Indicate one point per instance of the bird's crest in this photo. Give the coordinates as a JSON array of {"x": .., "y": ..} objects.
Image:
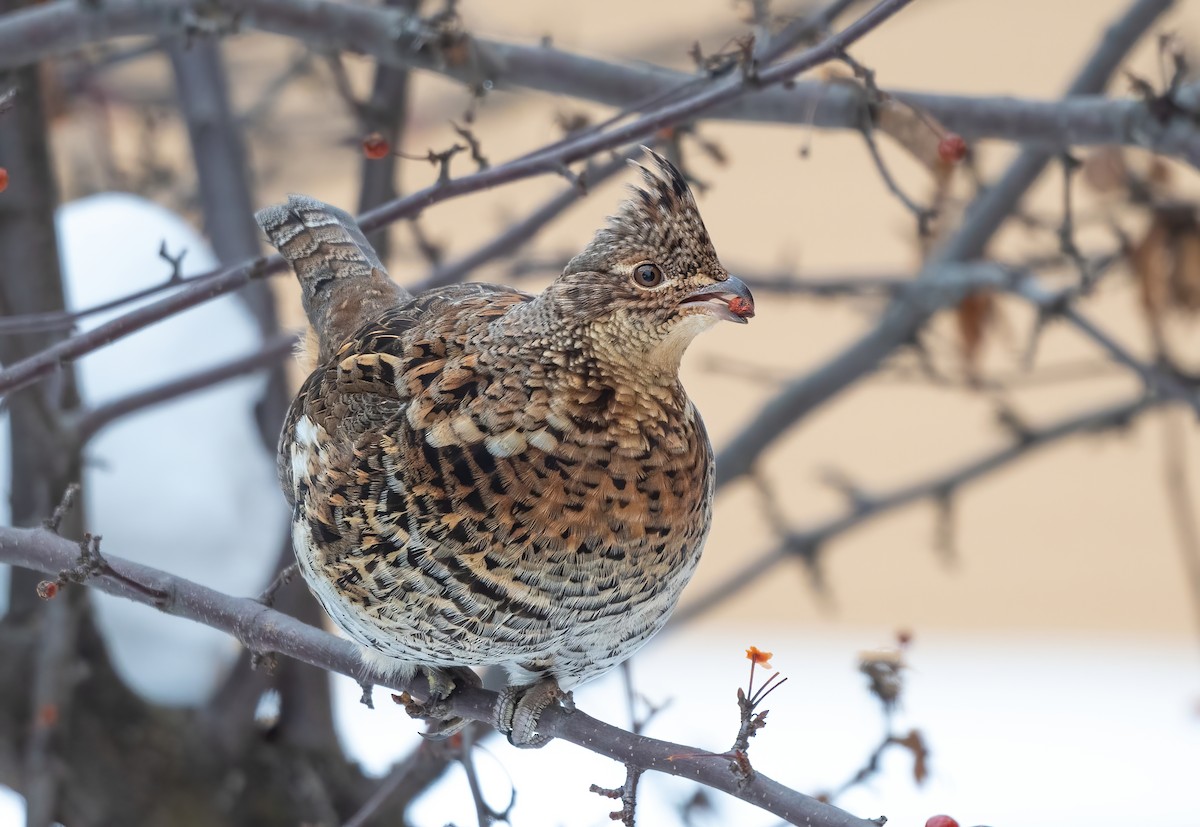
[{"x": 659, "y": 220}]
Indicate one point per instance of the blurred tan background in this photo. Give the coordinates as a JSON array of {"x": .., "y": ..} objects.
[{"x": 1076, "y": 538}]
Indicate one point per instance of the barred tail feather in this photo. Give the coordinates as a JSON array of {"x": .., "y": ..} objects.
[{"x": 343, "y": 283}]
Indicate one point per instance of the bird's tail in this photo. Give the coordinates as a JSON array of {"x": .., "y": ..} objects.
[{"x": 343, "y": 283}]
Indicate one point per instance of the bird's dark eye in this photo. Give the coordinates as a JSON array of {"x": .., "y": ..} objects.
[{"x": 647, "y": 275}]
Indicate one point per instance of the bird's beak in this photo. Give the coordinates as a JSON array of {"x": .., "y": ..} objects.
[{"x": 729, "y": 299}]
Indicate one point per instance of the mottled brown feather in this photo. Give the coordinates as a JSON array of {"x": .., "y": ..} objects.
[{"x": 480, "y": 476}]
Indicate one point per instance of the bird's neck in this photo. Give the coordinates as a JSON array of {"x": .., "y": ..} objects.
[{"x": 595, "y": 373}]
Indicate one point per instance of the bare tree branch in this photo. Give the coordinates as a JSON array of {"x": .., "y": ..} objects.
[
  {"x": 400, "y": 39},
  {"x": 902, "y": 319},
  {"x": 262, "y": 629},
  {"x": 536, "y": 163}
]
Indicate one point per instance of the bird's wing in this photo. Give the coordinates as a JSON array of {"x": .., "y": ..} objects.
[{"x": 414, "y": 357}]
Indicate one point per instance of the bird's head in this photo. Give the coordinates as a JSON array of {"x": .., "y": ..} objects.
[{"x": 650, "y": 281}]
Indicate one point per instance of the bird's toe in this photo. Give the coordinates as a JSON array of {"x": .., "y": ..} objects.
[{"x": 519, "y": 709}]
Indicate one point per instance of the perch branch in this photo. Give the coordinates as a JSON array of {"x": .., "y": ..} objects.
[{"x": 262, "y": 629}]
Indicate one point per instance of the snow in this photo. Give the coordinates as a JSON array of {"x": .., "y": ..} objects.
[
  {"x": 12, "y": 808},
  {"x": 188, "y": 486},
  {"x": 1065, "y": 731}
]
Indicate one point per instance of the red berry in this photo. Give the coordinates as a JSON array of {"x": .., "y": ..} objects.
[
  {"x": 47, "y": 715},
  {"x": 47, "y": 590},
  {"x": 375, "y": 146},
  {"x": 952, "y": 148},
  {"x": 3, "y": 179},
  {"x": 743, "y": 309},
  {"x": 941, "y": 821}
]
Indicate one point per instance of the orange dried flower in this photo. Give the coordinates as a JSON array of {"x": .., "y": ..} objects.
[{"x": 759, "y": 657}]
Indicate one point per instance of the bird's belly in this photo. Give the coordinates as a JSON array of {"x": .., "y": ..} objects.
[{"x": 567, "y": 568}]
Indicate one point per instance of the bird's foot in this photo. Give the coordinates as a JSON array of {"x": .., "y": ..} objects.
[
  {"x": 519, "y": 708},
  {"x": 443, "y": 681}
]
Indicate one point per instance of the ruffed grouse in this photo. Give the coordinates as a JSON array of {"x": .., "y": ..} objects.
[{"x": 481, "y": 476}]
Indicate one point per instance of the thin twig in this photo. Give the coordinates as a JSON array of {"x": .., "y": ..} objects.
[
  {"x": 626, "y": 794},
  {"x": 923, "y": 215}
]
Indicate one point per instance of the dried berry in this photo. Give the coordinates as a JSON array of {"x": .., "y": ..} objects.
[
  {"x": 952, "y": 148},
  {"x": 742, "y": 309},
  {"x": 375, "y": 146},
  {"x": 941, "y": 821}
]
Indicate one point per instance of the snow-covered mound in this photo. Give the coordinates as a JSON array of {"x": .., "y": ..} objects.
[{"x": 187, "y": 486}]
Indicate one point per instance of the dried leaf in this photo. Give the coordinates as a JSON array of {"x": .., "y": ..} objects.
[
  {"x": 1151, "y": 260},
  {"x": 1105, "y": 171},
  {"x": 1159, "y": 173},
  {"x": 974, "y": 314},
  {"x": 915, "y": 744},
  {"x": 1185, "y": 274}
]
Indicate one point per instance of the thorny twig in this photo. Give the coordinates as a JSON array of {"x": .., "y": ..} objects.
[
  {"x": 176, "y": 262},
  {"x": 914, "y": 742},
  {"x": 1066, "y": 232},
  {"x": 64, "y": 507},
  {"x": 874, "y": 96},
  {"x": 481, "y": 163},
  {"x": 751, "y": 721},
  {"x": 626, "y": 793},
  {"x": 91, "y": 563},
  {"x": 884, "y": 669},
  {"x": 440, "y": 159},
  {"x": 285, "y": 576}
]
